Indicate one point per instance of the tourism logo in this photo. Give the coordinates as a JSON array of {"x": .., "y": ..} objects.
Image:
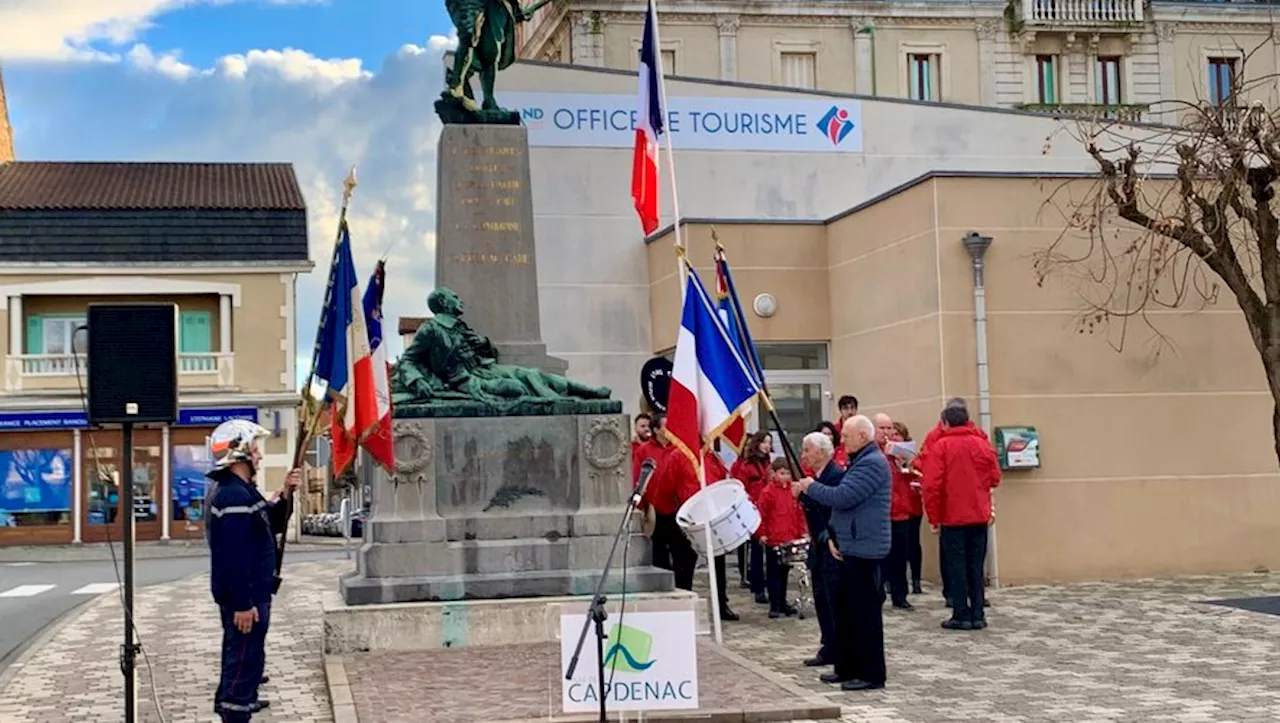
[
  {"x": 627, "y": 650},
  {"x": 836, "y": 124}
]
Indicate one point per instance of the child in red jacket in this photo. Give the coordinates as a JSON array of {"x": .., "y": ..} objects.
[{"x": 781, "y": 521}]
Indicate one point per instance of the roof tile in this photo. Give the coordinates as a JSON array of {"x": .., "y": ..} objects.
[{"x": 41, "y": 185}]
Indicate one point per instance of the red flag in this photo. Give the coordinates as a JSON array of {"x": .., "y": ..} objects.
[{"x": 650, "y": 126}]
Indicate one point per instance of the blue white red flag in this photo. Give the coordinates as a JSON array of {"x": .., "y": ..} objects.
[
  {"x": 379, "y": 442},
  {"x": 651, "y": 121},
  {"x": 736, "y": 433},
  {"x": 711, "y": 387},
  {"x": 343, "y": 360}
]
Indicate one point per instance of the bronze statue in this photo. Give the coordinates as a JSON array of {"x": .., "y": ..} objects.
[
  {"x": 486, "y": 45},
  {"x": 448, "y": 361}
]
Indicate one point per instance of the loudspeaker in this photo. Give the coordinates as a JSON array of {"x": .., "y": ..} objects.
[{"x": 133, "y": 363}]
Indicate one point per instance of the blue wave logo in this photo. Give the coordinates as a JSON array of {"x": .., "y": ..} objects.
[{"x": 628, "y": 650}]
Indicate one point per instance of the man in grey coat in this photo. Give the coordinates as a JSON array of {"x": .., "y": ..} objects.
[{"x": 860, "y": 524}]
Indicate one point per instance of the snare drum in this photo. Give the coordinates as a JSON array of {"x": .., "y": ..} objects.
[
  {"x": 795, "y": 552},
  {"x": 727, "y": 510}
]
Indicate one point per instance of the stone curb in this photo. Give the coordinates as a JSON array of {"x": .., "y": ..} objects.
[
  {"x": 98, "y": 552},
  {"x": 43, "y": 637},
  {"x": 340, "y": 700},
  {"x": 820, "y": 708}
]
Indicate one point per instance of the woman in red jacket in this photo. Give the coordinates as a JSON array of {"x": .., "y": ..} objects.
[
  {"x": 915, "y": 553},
  {"x": 905, "y": 505},
  {"x": 752, "y": 470},
  {"x": 781, "y": 521}
]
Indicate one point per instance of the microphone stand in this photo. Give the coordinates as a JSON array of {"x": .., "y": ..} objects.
[{"x": 596, "y": 613}]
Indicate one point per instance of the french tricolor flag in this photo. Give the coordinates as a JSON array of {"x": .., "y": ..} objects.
[
  {"x": 379, "y": 443},
  {"x": 343, "y": 358},
  {"x": 710, "y": 386},
  {"x": 650, "y": 126}
]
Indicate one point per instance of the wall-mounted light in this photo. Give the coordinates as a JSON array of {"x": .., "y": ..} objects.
[{"x": 765, "y": 305}]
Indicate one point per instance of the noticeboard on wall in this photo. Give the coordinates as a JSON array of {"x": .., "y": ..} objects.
[{"x": 1018, "y": 447}]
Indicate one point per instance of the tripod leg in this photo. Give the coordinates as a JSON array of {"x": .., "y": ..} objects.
[{"x": 604, "y": 715}]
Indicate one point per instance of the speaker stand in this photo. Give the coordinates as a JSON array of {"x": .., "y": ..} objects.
[{"x": 128, "y": 651}]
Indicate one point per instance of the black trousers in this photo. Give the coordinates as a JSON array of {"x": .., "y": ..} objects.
[
  {"x": 673, "y": 551},
  {"x": 895, "y": 565},
  {"x": 966, "y": 549},
  {"x": 824, "y": 574},
  {"x": 243, "y": 657},
  {"x": 756, "y": 571},
  {"x": 743, "y": 552},
  {"x": 915, "y": 552},
  {"x": 721, "y": 582},
  {"x": 860, "y": 622},
  {"x": 776, "y": 574},
  {"x": 944, "y": 570}
]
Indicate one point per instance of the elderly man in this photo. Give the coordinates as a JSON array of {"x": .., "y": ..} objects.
[
  {"x": 818, "y": 453},
  {"x": 860, "y": 525}
]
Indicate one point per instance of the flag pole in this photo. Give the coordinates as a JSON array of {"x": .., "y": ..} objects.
[
  {"x": 310, "y": 421},
  {"x": 671, "y": 158},
  {"x": 711, "y": 557}
]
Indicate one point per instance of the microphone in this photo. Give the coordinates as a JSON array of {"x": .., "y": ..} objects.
[{"x": 646, "y": 471}]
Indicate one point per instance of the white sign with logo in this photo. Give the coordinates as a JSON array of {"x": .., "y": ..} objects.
[
  {"x": 651, "y": 663},
  {"x": 794, "y": 125}
]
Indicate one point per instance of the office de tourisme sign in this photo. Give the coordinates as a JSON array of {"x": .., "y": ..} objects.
[
  {"x": 795, "y": 125},
  {"x": 650, "y": 657}
]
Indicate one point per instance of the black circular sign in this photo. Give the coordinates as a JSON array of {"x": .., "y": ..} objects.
[{"x": 655, "y": 382}]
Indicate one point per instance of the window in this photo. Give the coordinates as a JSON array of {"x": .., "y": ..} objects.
[
  {"x": 668, "y": 62},
  {"x": 922, "y": 76},
  {"x": 1222, "y": 81},
  {"x": 195, "y": 334},
  {"x": 800, "y": 70},
  {"x": 1107, "y": 83},
  {"x": 1047, "y": 79},
  {"x": 55, "y": 334}
]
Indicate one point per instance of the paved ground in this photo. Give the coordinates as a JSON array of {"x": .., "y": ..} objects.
[
  {"x": 33, "y": 595},
  {"x": 100, "y": 551},
  {"x": 75, "y": 678},
  {"x": 1145, "y": 651}
]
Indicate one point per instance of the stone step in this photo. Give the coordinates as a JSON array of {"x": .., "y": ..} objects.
[
  {"x": 477, "y": 556},
  {"x": 362, "y": 590}
]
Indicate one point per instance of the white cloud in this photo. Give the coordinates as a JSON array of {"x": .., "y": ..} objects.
[
  {"x": 265, "y": 105},
  {"x": 72, "y": 29}
]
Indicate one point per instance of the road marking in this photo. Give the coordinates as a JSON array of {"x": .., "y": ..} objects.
[
  {"x": 19, "y": 564},
  {"x": 96, "y": 588},
  {"x": 26, "y": 590}
]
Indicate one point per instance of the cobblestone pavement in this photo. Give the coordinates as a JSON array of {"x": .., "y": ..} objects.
[
  {"x": 1145, "y": 651},
  {"x": 75, "y": 677}
]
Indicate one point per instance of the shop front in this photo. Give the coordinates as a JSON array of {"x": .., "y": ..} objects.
[{"x": 42, "y": 454}]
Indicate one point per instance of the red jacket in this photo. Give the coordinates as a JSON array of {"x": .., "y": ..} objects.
[
  {"x": 931, "y": 437},
  {"x": 959, "y": 474},
  {"x": 642, "y": 451},
  {"x": 676, "y": 480},
  {"x": 841, "y": 457},
  {"x": 781, "y": 519},
  {"x": 753, "y": 475},
  {"x": 905, "y": 502}
]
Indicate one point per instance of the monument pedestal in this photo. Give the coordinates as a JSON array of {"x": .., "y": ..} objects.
[{"x": 501, "y": 507}]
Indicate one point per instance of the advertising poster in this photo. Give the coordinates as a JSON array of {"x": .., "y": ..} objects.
[
  {"x": 188, "y": 467},
  {"x": 651, "y": 658},
  {"x": 36, "y": 480}
]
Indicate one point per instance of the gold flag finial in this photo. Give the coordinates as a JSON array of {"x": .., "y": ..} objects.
[
  {"x": 349, "y": 185},
  {"x": 716, "y": 238}
]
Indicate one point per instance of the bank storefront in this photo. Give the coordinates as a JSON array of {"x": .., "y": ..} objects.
[{"x": 61, "y": 479}]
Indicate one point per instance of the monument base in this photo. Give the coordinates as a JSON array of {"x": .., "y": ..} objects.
[
  {"x": 476, "y": 623},
  {"x": 501, "y": 507},
  {"x": 468, "y": 409}
]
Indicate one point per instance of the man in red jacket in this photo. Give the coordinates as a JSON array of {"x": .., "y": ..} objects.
[
  {"x": 918, "y": 465},
  {"x": 959, "y": 473}
]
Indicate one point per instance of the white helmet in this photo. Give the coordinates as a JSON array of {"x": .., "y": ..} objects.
[{"x": 235, "y": 440}]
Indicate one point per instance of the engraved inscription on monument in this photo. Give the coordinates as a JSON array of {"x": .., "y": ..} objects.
[{"x": 485, "y": 243}]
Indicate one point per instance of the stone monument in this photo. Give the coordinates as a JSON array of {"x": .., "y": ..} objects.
[{"x": 510, "y": 478}]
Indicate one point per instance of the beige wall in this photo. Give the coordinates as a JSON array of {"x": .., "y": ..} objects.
[
  {"x": 958, "y": 47},
  {"x": 258, "y": 325},
  {"x": 788, "y": 261},
  {"x": 1191, "y": 76},
  {"x": 1151, "y": 465}
]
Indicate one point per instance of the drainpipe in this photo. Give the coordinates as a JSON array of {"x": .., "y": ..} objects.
[{"x": 977, "y": 246}]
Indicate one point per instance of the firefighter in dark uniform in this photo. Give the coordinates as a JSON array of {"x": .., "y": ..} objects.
[{"x": 241, "y": 525}]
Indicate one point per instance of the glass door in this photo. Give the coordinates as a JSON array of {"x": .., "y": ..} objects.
[
  {"x": 801, "y": 401},
  {"x": 102, "y": 469}
]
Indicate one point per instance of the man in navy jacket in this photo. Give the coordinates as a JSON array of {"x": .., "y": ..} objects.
[
  {"x": 242, "y": 526},
  {"x": 860, "y": 526},
  {"x": 817, "y": 453}
]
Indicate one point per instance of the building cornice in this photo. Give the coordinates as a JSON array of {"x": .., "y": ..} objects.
[
  {"x": 153, "y": 269},
  {"x": 71, "y": 401},
  {"x": 916, "y": 15}
]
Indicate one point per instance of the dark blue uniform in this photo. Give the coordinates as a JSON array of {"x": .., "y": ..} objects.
[
  {"x": 241, "y": 526},
  {"x": 823, "y": 568}
]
